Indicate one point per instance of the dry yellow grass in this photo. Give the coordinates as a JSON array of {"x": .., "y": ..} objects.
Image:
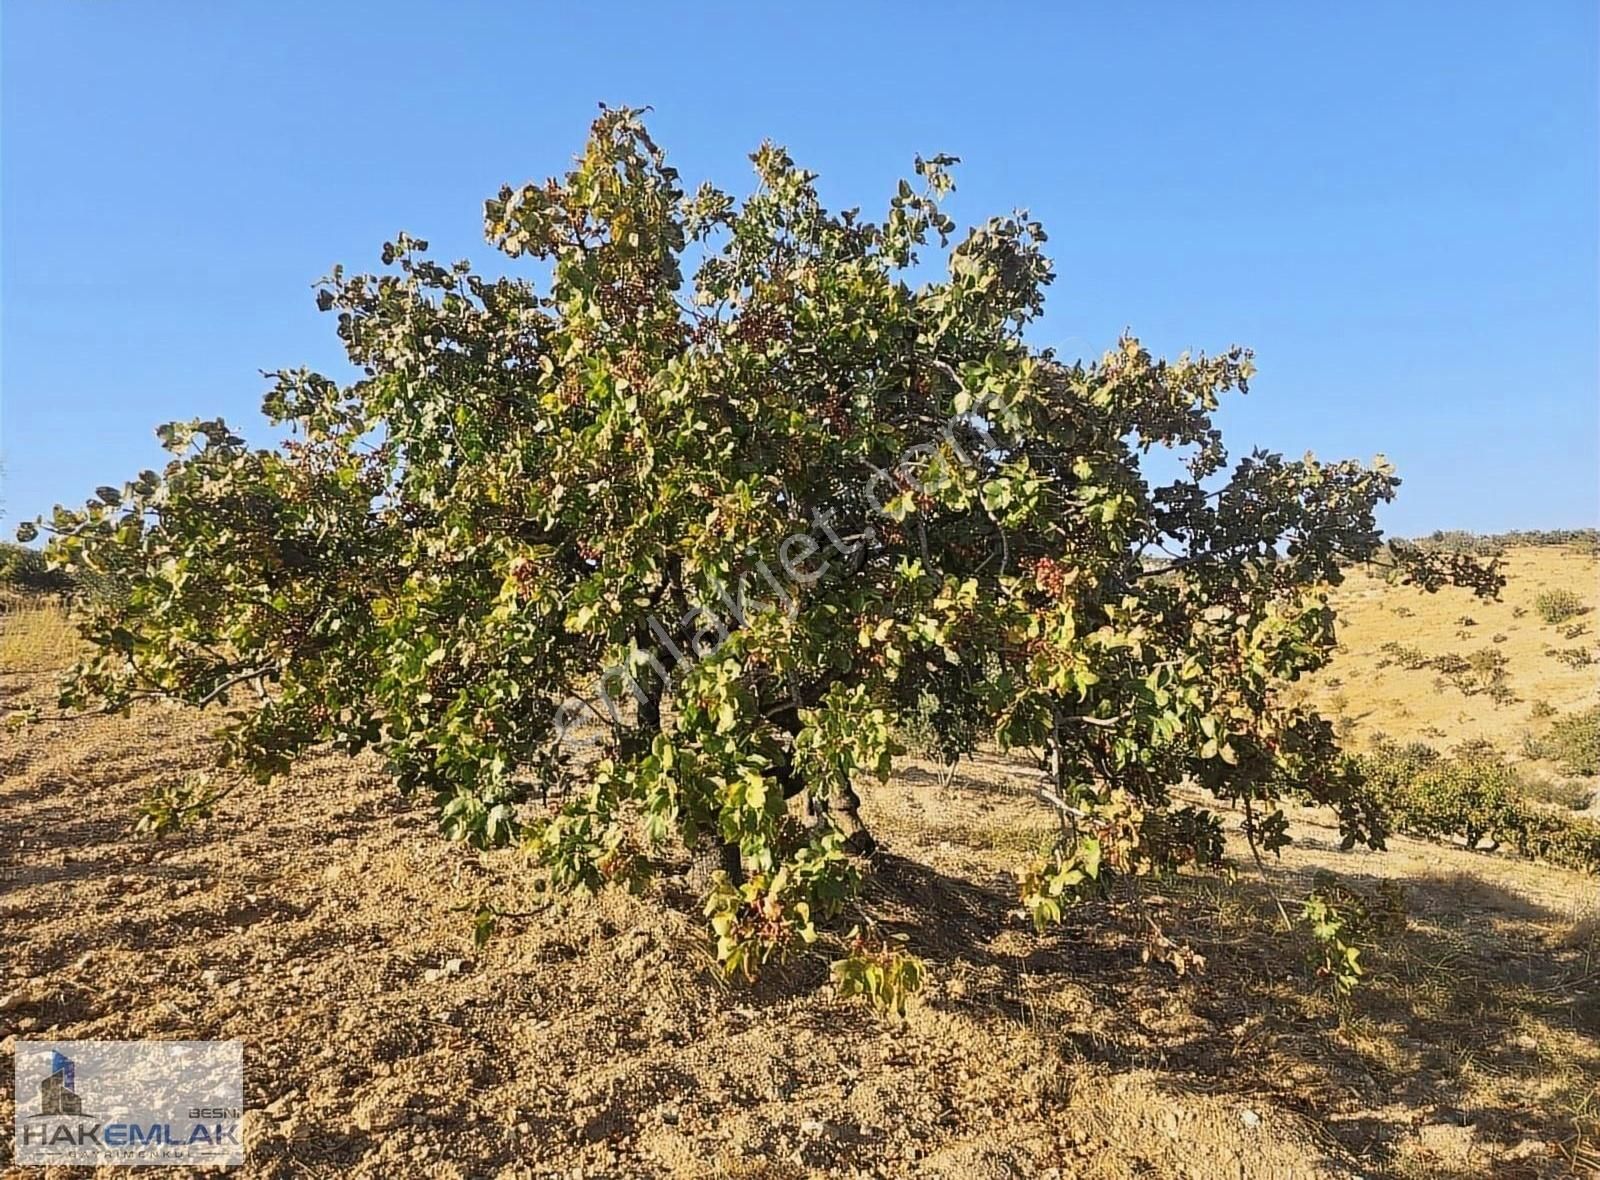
[
  {"x": 1408, "y": 704},
  {"x": 35, "y": 635}
]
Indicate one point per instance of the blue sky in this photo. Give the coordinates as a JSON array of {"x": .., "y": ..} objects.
[{"x": 1395, "y": 205}]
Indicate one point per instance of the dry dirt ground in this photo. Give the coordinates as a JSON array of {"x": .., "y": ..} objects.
[{"x": 316, "y": 920}]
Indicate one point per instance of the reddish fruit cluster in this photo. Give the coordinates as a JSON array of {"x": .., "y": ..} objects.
[
  {"x": 621, "y": 300},
  {"x": 524, "y": 573},
  {"x": 760, "y": 326},
  {"x": 1051, "y": 576}
]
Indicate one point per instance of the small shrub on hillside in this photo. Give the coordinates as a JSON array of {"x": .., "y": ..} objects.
[
  {"x": 1573, "y": 630},
  {"x": 1542, "y": 709},
  {"x": 1501, "y": 694},
  {"x": 1557, "y": 606},
  {"x": 1343, "y": 921},
  {"x": 1476, "y": 750},
  {"x": 1406, "y": 656},
  {"x": 1487, "y": 664},
  {"x": 1571, "y": 793},
  {"x": 1572, "y": 657},
  {"x": 1573, "y": 742}
]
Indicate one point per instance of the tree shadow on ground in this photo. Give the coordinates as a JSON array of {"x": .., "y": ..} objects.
[{"x": 1472, "y": 987}]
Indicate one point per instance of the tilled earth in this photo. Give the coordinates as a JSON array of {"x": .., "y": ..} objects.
[{"x": 323, "y": 922}]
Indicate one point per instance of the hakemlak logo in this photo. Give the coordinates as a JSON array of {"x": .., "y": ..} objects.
[
  {"x": 129, "y": 1102},
  {"x": 58, "y": 1093}
]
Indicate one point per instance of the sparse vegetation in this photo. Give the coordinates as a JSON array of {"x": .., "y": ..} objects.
[
  {"x": 1573, "y": 794},
  {"x": 1405, "y": 655},
  {"x": 1572, "y": 742},
  {"x": 1571, "y": 657},
  {"x": 1484, "y": 671},
  {"x": 1557, "y": 606},
  {"x": 1586, "y": 541}
]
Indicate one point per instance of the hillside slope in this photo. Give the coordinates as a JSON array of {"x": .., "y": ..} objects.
[{"x": 1370, "y": 691}]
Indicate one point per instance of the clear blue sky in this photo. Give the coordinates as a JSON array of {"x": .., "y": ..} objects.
[{"x": 1395, "y": 204}]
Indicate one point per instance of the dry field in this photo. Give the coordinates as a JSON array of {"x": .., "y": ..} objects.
[
  {"x": 1378, "y": 696},
  {"x": 320, "y": 920}
]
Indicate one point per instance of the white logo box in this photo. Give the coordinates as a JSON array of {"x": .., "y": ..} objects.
[{"x": 130, "y": 1102}]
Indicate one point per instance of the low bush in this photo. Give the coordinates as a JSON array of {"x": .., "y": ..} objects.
[
  {"x": 1572, "y": 657},
  {"x": 1572, "y": 743},
  {"x": 1557, "y": 606},
  {"x": 1343, "y": 921},
  {"x": 1572, "y": 793},
  {"x": 1406, "y": 656},
  {"x": 1484, "y": 671},
  {"x": 1471, "y": 795}
]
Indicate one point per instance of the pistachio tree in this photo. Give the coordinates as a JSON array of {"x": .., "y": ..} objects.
[{"x": 620, "y": 553}]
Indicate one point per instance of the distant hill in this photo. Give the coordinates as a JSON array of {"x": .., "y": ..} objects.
[{"x": 1448, "y": 668}]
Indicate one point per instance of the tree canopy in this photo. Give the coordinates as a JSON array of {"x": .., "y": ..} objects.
[{"x": 734, "y": 490}]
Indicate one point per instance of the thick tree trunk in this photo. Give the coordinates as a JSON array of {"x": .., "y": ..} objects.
[
  {"x": 711, "y": 855},
  {"x": 843, "y": 805}
]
